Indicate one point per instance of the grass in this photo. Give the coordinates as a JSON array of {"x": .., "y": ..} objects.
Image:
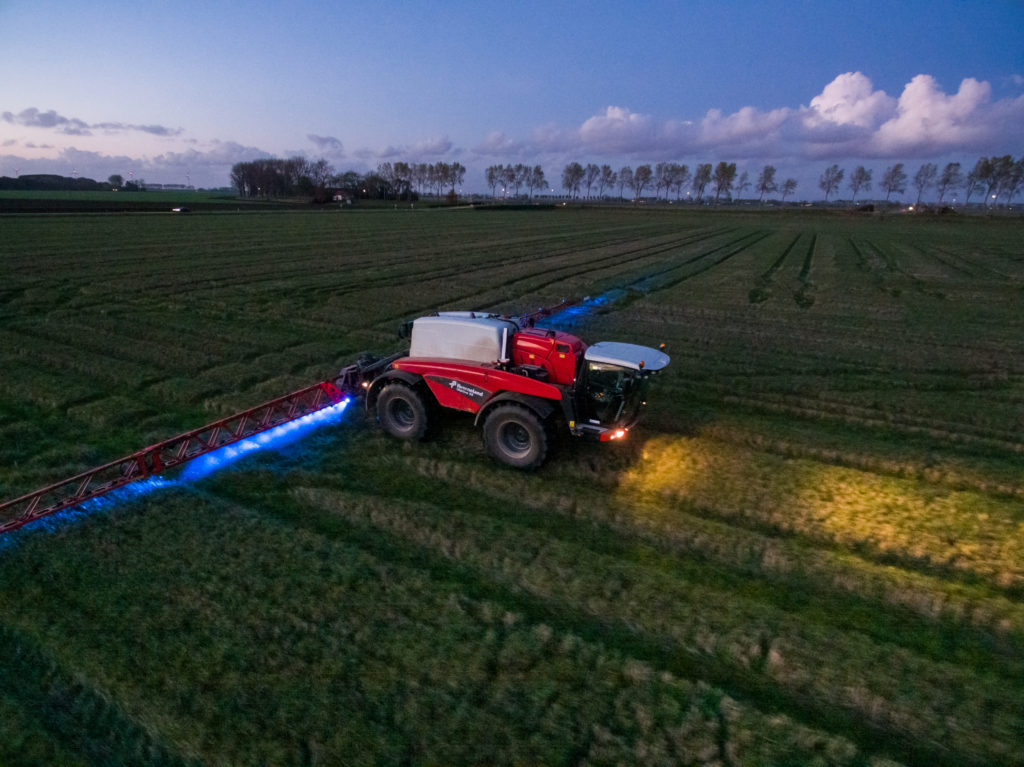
[
  {"x": 810, "y": 554},
  {"x": 34, "y": 202}
]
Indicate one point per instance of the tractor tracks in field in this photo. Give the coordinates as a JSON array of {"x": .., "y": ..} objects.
[
  {"x": 676, "y": 272},
  {"x": 599, "y": 587},
  {"x": 886, "y": 272},
  {"x": 966, "y": 266},
  {"x": 664, "y": 279},
  {"x": 803, "y": 295},
  {"x": 1004, "y": 441},
  {"x": 390, "y": 267},
  {"x": 623, "y": 258},
  {"x": 546, "y": 275},
  {"x": 81, "y": 717}
]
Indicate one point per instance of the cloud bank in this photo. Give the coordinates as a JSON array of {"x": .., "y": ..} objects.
[
  {"x": 849, "y": 119},
  {"x": 72, "y": 126}
]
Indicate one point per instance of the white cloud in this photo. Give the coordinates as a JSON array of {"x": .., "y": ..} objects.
[
  {"x": 850, "y": 100},
  {"x": 429, "y": 149},
  {"x": 497, "y": 144},
  {"x": 748, "y": 131},
  {"x": 617, "y": 131},
  {"x": 553, "y": 138},
  {"x": 219, "y": 154},
  {"x": 849, "y": 118},
  {"x": 928, "y": 120}
]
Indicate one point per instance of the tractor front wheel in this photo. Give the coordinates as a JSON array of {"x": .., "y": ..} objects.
[
  {"x": 516, "y": 436},
  {"x": 402, "y": 412}
]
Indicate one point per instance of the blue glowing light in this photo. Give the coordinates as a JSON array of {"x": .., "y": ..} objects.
[
  {"x": 103, "y": 502},
  {"x": 569, "y": 316},
  {"x": 279, "y": 436},
  {"x": 196, "y": 469}
]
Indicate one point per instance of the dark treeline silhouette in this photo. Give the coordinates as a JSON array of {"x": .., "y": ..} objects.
[
  {"x": 298, "y": 176},
  {"x": 282, "y": 178},
  {"x": 662, "y": 181},
  {"x": 47, "y": 182},
  {"x": 994, "y": 178}
]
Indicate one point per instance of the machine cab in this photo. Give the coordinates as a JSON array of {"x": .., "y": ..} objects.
[{"x": 613, "y": 386}]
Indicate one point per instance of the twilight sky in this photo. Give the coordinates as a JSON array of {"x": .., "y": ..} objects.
[{"x": 176, "y": 91}]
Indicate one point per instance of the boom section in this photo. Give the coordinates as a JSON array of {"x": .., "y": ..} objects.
[{"x": 165, "y": 455}]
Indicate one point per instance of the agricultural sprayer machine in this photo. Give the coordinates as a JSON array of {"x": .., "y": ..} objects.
[{"x": 524, "y": 385}]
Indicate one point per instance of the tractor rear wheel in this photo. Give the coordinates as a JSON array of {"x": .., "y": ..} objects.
[
  {"x": 402, "y": 412},
  {"x": 516, "y": 436}
]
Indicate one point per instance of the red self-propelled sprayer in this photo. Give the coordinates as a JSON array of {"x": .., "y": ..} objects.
[{"x": 522, "y": 382}]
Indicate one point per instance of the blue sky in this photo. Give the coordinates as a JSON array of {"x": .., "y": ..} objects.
[{"x": 167, "y": 91}]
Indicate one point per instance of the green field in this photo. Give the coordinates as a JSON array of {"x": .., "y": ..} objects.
[
  {"x": 31, "y": 202},
  {"x": 812, "y": 552}
]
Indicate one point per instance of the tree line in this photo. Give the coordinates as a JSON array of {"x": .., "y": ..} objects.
[
  {"x": 998, "y": 178},
  {"x": 297, "y": 176},
  {"x": 594, "y": 181},
  {"x": 49, "y": 182},
  {"x": 995, "y": 177}
]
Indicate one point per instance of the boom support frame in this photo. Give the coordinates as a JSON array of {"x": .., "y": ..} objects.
[{"x": 165, "y": 455}]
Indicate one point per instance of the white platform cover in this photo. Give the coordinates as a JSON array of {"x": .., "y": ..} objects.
[{"x": 627, "y": 355}]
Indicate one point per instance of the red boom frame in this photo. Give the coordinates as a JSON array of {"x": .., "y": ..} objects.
[{"x": 166, "y": 455}]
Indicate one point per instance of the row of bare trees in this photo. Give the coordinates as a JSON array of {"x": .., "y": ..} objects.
[
  {"x": 407, "y": 179},
  {"x": 599, "y": 182},
  {"x": 668, "y": 178},
  {"x": 512, "y": 178},
  {"x": 996, "y": 177}
]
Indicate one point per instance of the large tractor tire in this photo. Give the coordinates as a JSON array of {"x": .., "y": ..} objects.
[
  {"x": 516, "y": 436},
  {"x": 402, "y": 412}
]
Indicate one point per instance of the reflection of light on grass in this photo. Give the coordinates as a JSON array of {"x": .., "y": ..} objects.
[
  {"x": 667, "y": 466},
  {"x": 568, "y": 317},
  {"x": 109, "y": 500},
  {"x": 734, "y": 482},
  {"x": 272, "y": 438},
  {"x": 194, "y": 470},
  {"x": 868, "y": 515}
]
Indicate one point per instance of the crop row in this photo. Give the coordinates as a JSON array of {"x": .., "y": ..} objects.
[
  {"x": 787, "y": 560},
  {"x": 906, "y": 462},
  {"x": 937, "y": 428},
  {"x": 367, "y": 658},
  {"x": 686, "y": 606},
  {"x": 748, "y": 640},
  {"x": 811, "y": 552}
]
